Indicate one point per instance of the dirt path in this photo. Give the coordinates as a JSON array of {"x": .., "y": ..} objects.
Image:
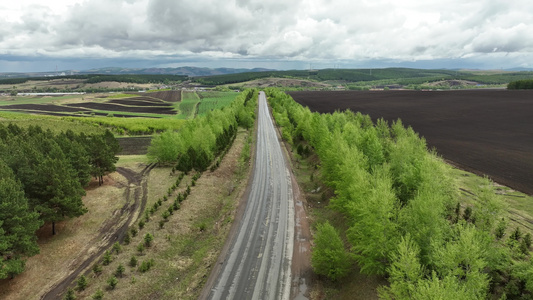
[{"x": 112, "y": 229}]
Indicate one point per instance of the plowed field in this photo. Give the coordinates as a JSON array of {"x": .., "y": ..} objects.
[
  {"x": 123, "y": 108},
  {"x": 484, "y": 131}
]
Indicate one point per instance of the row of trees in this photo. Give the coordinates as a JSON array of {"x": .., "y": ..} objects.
[
  {"x": 42, "y": 180},
  {"x": 403, "y": 217},
  {"x": 520, "y": 85},
  {"x": 200, "y": 140}
]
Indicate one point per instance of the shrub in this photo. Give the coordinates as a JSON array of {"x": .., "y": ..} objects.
[
  {"x": 127, "y": 238},
  {"x": 133, "y": 231},
  {"x": 141, "y": 224},
  {"x": 146, "y": 265},
  {"x": 99, "y": 294},
  {"x": 119, "y": 272},
  {"x": 117, "y": 247},
  {"x": 148, "y": 238},
  {"x": 140, "y": 248},
  {"x": 81, "y": 284},
  {"x": 70, "y": 295},
  {"x": 133, "y": 261},
  {"x": 97, "y": 269},
  {"x": 107, "y": 258},
  {"x": 112, "y": 282}
]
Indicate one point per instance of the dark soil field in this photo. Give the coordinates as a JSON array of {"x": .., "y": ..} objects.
[
  {"x": 483, "y": 131},
  {"x": 168, "y": 110},
  {"x": 134, "y": 145}
]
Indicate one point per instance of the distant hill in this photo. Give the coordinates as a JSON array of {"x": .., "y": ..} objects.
[{"x": 189, "y": 71}]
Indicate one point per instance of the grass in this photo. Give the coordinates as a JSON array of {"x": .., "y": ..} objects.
[
  {"x": 188, "y": 104},
  {"x": 121, "y": 95},
  {"x": 214, "y": 100},
  {"x": 55, "y": 124}
]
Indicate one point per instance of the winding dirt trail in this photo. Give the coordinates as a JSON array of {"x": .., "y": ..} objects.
[{"x": 112, "y": 230}]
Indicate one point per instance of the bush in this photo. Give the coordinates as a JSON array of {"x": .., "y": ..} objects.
[
  {"x": 328, "y": 256},
  {"x": 146, "y": 265},
  {"x": 98, "y": 295},
  {"x": 117, "y": 247},
  {"x": 70, "y": 295},
  {"x": 107, "y": 258},
  {"x": 133, "y": 231},
  {"x": 119, "y": 272},
  {"x": 81, "y": 284},
  {"x": 148, "y": 238},
  {"x": 133, "y": 261},
  {"x": 112, "y": 282},
  {"x": 140, "y": 248},
  {"x": 97, "y": 269},
  {"x": 127, "y": 238}
]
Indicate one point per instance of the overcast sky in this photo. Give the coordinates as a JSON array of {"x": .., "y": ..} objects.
[{"x": 38, "y": 35}]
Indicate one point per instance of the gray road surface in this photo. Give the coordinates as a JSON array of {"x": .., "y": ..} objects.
[{"x": 257, "y": 265}]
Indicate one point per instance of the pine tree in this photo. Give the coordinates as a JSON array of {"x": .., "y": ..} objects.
[{"x": 17, "y": 225}]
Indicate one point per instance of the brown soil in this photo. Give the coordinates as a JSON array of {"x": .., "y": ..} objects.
[
  {"x": 134, "y": 145},
  {"x": 112, "y": 230},
  {"x": 482, "y": 131},
  {"x": 168, "y": 96}
]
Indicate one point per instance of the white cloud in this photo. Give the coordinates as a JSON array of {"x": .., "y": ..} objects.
[{"x": 319, "y": 30}]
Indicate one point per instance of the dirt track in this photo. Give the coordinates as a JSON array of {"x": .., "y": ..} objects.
[
  {"x": 112, "y": 230},
  {"x": 484, "y": 131}
]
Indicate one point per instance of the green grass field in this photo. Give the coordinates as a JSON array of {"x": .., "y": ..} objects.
[{"x": 214, "y": 100}]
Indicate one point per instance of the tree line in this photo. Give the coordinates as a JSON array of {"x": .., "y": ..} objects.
[
  {"x": 205, "y": 137},
  {"x": 42, "y": 180},
  {"x": 521, "y": 85},
  {"x": 403, "y": 217}
]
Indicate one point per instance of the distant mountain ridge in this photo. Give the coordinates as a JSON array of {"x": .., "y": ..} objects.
[{"x": 189, "y": 71}]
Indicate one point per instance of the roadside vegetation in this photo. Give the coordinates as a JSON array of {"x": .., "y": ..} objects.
[{"x": 398, "y": 213}]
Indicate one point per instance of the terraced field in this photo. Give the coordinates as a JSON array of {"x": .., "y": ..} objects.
[{"x": 151, "y": 105}]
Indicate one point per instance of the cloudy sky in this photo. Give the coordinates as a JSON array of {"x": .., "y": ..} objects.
[{"x": 38, "y": 35}]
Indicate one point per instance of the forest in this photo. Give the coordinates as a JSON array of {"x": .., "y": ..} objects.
[
  {"x": 402, "y": 217},
  {"x": 43, "y": 176}
]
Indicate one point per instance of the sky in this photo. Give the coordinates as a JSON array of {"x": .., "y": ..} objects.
[{"x": 40, "y": 36}]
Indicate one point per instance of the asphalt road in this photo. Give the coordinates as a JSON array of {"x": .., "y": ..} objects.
[{"x": 257, "y": 265}]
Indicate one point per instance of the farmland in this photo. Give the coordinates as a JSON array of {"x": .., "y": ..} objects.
[{"x": 487, "y": 132}]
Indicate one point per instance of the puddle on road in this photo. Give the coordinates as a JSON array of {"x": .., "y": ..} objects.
[{"x": 302, "y": 290}]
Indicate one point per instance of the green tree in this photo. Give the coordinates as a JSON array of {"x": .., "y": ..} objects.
[
  {"x": 102, "y": 151},
  {"x": 112, "y": 282},
  {"x": 98, "y": 295},
  {"x": 328, "y": 256},
  {"x": 56, "y": 193},
  {"x": 405, "y": 271},
  {"x": 107, "y": 258},
  {"x": 70, "y": 295},
  {"x": 148, "y": 238},
  {"x": 119, "y": 272},
  {"x": 81, "y": 284},
  {"x": 17, "y": 225}
]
